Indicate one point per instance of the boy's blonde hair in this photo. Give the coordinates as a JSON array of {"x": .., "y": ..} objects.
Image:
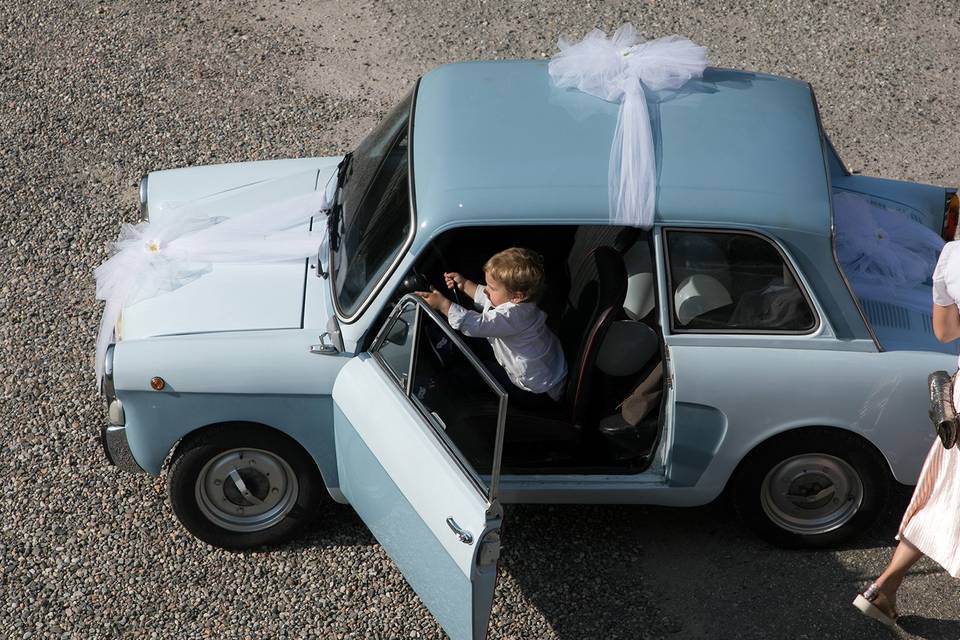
[{"x": 520, "y": 270}]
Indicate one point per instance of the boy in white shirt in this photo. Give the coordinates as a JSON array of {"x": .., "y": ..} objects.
[{"x": 528, "y": 352}]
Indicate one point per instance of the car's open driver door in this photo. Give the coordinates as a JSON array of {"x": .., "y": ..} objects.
[{"x": 436, "y": 516}]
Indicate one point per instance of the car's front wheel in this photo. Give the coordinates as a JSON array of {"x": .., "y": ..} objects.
[
  {"x": 811, "y": 488},
  {"x": 242, "y": 486}
]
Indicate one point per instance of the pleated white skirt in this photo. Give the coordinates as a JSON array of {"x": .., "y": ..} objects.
[{"x": 931, "y": 522}]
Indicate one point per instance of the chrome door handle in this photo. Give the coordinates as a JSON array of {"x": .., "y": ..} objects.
[{"x": 465, "y": 536}]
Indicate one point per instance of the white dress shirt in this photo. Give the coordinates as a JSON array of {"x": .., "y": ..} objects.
[{"x": 522, "y": 343}]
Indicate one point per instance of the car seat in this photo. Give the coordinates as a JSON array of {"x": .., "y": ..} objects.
[
  {"x": 697, "y": 295},
  {"x": 587, "y": 238},
  {"x": 641, "y": 298},
  {"x": 597, "y": 291}
]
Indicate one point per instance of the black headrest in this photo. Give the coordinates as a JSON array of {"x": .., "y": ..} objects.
[{"x": 589, "y": 237}]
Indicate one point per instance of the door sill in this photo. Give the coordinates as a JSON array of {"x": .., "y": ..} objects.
[{"x": 515, "y": 481}]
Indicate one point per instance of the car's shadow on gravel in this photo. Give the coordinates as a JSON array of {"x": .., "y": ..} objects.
[
  {"x": 650, "y": 572},
  {"x": 930, "y": 628},
  {"x": 335, "y": 525}
]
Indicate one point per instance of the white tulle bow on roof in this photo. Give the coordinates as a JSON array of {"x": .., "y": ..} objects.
[
  {"x": 181, "y": 245},
  {"x": 618, "y": 68}
]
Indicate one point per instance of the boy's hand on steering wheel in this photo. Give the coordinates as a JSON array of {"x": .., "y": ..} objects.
[{"x": 435, "y": 300}]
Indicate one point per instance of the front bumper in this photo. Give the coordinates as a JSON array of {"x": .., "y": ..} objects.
[{"x": 115, "y": 446}]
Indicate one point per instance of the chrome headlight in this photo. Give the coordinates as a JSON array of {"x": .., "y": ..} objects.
[
  {"x": 115, "y": 413},
  {"x": 107, "y": 388},
  {"x": 144, "y": 212}
]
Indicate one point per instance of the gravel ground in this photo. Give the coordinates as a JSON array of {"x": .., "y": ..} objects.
[{"x": 92, "y": 96}]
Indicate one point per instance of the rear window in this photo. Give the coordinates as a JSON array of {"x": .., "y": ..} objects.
[{"x": 734, "y": 282}]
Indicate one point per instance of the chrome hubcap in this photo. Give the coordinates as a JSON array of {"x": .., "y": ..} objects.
[
  {"x": 246, "y": 490},
  {"x": 811, "y": 493}
]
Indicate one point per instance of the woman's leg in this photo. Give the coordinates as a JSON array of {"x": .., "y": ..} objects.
[{"x": 904, "y": 557}]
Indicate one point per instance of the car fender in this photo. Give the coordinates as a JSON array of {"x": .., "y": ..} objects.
[
  {"x": 263, "y": 377},
  {"x": 880, "y": 396}
]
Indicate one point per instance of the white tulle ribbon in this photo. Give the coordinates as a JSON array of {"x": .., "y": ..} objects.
[
  {"x": 184, "y": 243},
  {"x": 620, "y": 68}
]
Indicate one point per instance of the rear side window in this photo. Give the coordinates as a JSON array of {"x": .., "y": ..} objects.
[{"x": 733, "y": 282}]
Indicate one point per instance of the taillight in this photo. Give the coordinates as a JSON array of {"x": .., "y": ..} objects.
[{"x": 950, "y": 217}]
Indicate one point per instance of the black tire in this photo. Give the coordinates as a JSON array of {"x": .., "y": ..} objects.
[
  {"x": 282, "y": 486},
  {"x": 811, "y": 488}
]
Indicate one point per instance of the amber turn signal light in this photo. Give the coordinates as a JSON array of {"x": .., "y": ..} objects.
[{"x": 157, "y": 383}]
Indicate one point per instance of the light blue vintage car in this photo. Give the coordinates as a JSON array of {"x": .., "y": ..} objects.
[{"x": 731, "y": 322}]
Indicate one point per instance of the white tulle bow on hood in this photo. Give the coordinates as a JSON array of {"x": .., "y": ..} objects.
[
  {"x": 618, "y": 68},
  {"x": 184, "y": 243}
]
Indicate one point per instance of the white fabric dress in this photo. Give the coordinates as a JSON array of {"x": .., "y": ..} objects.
[{"x": 931, "y": 522}]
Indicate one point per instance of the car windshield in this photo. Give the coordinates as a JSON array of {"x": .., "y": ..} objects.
[{"x": 376, "y": 216}]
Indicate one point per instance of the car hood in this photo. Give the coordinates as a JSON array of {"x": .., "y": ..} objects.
[{"x": 231, "y": 297}]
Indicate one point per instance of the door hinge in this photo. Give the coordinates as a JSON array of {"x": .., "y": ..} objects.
[{"x": 489, "y": 551}]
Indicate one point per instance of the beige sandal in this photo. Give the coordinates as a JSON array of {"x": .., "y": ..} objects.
[{"x": 874, "y": 604}]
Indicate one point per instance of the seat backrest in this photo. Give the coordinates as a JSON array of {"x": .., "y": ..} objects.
[
  {"x": 597, "y": 290},
  {"x": 627, "y": 348},
  {"x": 641, "y": 283},
  {"x": 589, "y": 237}
]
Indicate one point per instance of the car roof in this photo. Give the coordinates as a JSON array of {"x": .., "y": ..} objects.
[{"x": 497, "y": 143}]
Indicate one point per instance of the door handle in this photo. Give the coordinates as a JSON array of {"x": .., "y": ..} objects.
[{"x": 465, "y": 536}]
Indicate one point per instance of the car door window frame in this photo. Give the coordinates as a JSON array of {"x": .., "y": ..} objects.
[
  {"x": 784, "y": 256},
  {"x": 422, "y": 314},
  {"x": 402, "y": 378}
]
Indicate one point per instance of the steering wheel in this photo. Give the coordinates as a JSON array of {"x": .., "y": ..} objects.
[
  {"x": 443, "y": 264},
  {"x": 415, "y": 281}
]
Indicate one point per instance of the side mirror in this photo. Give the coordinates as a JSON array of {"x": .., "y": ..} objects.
[{"x": 398, "y": 332}]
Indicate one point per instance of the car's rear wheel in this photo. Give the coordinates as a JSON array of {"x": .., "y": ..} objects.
[
  {"x": 811, "y": 488},
  {"x": 243, "y": 486}
]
